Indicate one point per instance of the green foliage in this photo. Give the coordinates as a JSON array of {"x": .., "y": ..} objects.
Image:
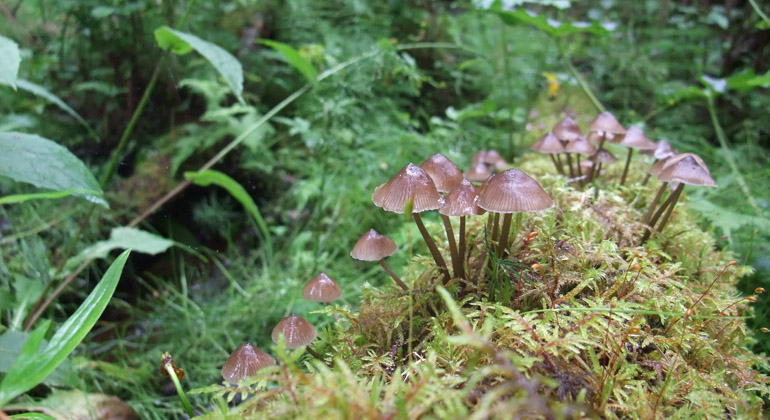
[
  {"x": 32, "y": 367},
  {"x": 9, "y": 68},
  {"x": 295, "y": 59},
  {"x": 122, "y": 238},
  {"x": 50, "y": 97},
  {"x": 45, "y": 164},
  {"x": 551, "y": 27}
]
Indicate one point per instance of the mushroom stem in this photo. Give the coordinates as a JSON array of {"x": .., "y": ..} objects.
[
  {"x": 647, "y": 177},
  {"x": 654, "y": 203},
  {"x": 432, "y": 247},
  {"x": 651, "y": 223},
  {"x": 668, "y": 204},
  {"x": 594, "y": 169},
  {"x": 393, "y": 275},
  {"x": 450, "y": 235},
  {"x": 556, "y": 164},
  {"x": 314, "y": 354},
  {"x": 676, "y": 195},
  {"x": 504, "y": 235},
  {"x": 625, "y": 170},
  {"x": 461, "y": 252},
  {"x": 561, "y": 164},
  {"x": 495, "y": 226},
  {"x": 569, "y": 164}
]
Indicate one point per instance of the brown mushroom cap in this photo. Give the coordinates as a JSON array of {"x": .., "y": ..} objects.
[
  {"x": 663, "y": 150},
  {"x": 580, "y": 145},
  {"x": 596, "y": 138},
  {"x": 606, "y": 123},
  {"x": 373, "y": 247},
  {"x": 603, "y": 156},
  {"x": 444, "y": 173},
  {"x": 687, "y": 168},
  {"x": 513, "y": 191},
  {"x": 635, "y": 139},
  {"x": 410, "y": 183},
  {"x": 493, "y": 159},
  {"x": 478, "y": 172},
  {"x": 548, "y": 144},
  {"x": 567, "y": 130},
  {"x": 462, "y": 200},
  {"x": 321, "y": 288},
  {"x": 245, "y": 361},
  {"x": 297, "y": 330},
  {"x": 657, "y": 168}
]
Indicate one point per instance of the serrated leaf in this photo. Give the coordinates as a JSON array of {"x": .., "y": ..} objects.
[
  {"x": 27, "y": 372},
  {"x": 295, "y": 59},
  {"x": 123, "y": 238},
  {"x": 182, "y": 42},
  {"x": 552, "y": 27},
  {"x": 9, "y": 65},
  {"x": 50, "y": 97},
  {"x": 43, "y": 163}
]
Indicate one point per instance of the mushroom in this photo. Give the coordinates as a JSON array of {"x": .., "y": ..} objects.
[
  {"x": 411, "y": 189},
  {"x": 601, "y": 156},
  {"x": 509, "y": 192},
  {"x": 375, "y": 247},
  {"x": 566, "y": 131},
  {"x": 550, "y": 144},
  {"x": 604, "y": 125},
  {"x": 445, "y": 175},
  {"x": 479, "y": 172},
  {"x": 686, "y": 168},
  {"x": 297, "y": 332},
  {"x": 634, "y": 138},
  {"x": 662, "y": 151},
  {"x": 245, "y": 361},
  {"x": 322, "y": 289},
  {"x": 493, "y": 160},
  {"x": 461, "y": 201},
  {"x": 581, "y": 146},
  {"x": 656, "y": 169}
]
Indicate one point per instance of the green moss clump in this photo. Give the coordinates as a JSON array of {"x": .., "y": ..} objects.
[{"x": 579, "y": 321}]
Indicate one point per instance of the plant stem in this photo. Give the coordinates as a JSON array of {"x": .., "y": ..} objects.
[
  {"x": 583, "y": 85},
  {"x": 452, "y": 245},
  {"x": 625, "y": 170},
  {"x": 182, "y": 397},
  {"x": 432, "y": 247},
  {"x": 393, "y": 275},
  {"x": 759, "y": 11}
]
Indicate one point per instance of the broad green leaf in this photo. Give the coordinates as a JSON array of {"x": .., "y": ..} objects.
[
  {"x": 11, "y": 343},
  {"x": 75, "y": 404},
  {"x": 552, "y": 27},
  {"x": 746, "y": 81},
  {"x": 680, "y": 93},
  {"x": 182, "y": 43},
  {"x": 208, "y": 177},
  {"x": 295, "y": 59},
  {"x": 50, "y": 97},
  {"x": 9, "y": 65},
  {"x": 43, "y": 163},
  {"x": 123, "y": 238},
  {"x": 27, "y": 372}
]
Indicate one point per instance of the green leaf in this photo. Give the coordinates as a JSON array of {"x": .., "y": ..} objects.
[
  {"x": 20, "y": 198},
  {"x": 552, "y": 27},
  {"x": 27, "y": 372},
  {"x": 295, "y": 59},
  {"x": 746, "y": 81},
  {"x": 123, "y": 238},
  {"x": 9, "y": 65},
  {"x": 50, "y": 97},
  {"x": 208, "y": 177},
  {"x": 182, "y": 43},
  {"x": 11, "y": 344},
  {"x": 43, "y": 163},
  {"x": 32, "y": 416}
]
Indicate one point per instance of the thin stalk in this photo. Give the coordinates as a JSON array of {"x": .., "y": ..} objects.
[
  {"x": 556, "y": 164},
  {"x": 655, "y": 201},
  {"x": 504, "y": 235},
  {"x": 596, "y": 167},
  {"x": 759, "y": 11},
  {"x": 432, "y": 247},
  {"x": 671, "y": 199},
  {"x": 461, "y": 252},
  {"x": 314, "y": 354},
  {"x": 452, "y": 245},
  {"x": 561, "y": 164},
  {"x": 677, "y": 193},
  {"x": 569, "y": 164},
  {"x": 583, "y": 85},
  {"x": 495, "y": 226},
  {"x": 647, "y": 177},
  {"x": 169, "y": 367},
  {"x": 625, "y": 170},
  {"x": 393, "y": 275}
]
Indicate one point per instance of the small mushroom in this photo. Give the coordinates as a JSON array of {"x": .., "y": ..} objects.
[
  {"x": 412, "y": 188},
  {"x": 662, "y": 151},
  {"x": 601, "y": 156},
  {"x": 245, "y": 361},
  {"x": 296, "y": 331},
  {"x": 634, "y": 138},
  {"x": 566, "y": 131},
  {"x": 375, "y": 247},
  {"x": 604, "y": 124},
  {"x": 580, "y": 146},
  {"x": 445, "y": 175},
  {"x": 461, "y": 201},
  {"x": 509, "y": 192},
  {"x": 550, "y": 145},
  {"x": 479, "y": 172},
  {"x": 322, "y": 289}
]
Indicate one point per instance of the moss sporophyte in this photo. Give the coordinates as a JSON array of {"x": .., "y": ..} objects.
[{"x": 590, "y": 309}]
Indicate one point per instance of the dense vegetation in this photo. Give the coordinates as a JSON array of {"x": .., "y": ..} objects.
[{"x": 235, "y": 185}]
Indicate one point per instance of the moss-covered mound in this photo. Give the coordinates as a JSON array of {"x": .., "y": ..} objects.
[{"x": 581, "y": 320}]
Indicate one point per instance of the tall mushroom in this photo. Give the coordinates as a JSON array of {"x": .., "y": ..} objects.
[
  {"x": 445, "y": 174},
  {"x": 245, "y": 361},
  {"x": 634, "y": 138},
  {"x": 375, "y": 247},
  {"x": 412, "y": 189},
  {"x": 549, "y": 144},
  {"x": 509, "y": 192},
  {"x": 566, "y": 131},
  {"x": 579, "y": 146},
  {"x": 604, "y": 125},
  {"x": 461, "y": 201},
  {"x": 686, "y": 168}
]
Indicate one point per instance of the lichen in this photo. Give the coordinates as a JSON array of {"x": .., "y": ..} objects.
[{"x": 579, "y": 320}]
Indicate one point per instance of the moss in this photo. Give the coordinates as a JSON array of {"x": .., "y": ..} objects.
[{"x": 585, "y": 322}]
